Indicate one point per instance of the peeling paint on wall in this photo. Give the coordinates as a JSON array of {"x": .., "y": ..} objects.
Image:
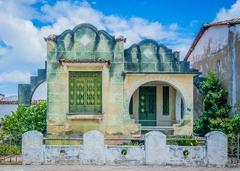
[{"x": 218, "y": 51}]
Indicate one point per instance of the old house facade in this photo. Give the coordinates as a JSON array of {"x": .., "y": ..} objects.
[
  {"x": 95, "y": 84},
  {"x": 217, "y": 48}
]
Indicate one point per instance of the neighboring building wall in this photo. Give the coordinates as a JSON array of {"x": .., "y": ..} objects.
[
  {"x": 198, "y": 103},
  {"x": 2, "y": 96},
  {"x": 218, "y": 51},
  {"x": 7, "y": 109}
]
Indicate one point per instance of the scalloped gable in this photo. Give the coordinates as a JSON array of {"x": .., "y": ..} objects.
[
  {"x": 84, "y": 42},
  {"x": 149, "y": 56},
  {"x": 149, "y": 50}
]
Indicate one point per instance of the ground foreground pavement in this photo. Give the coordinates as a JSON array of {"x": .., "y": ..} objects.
[{"x": 108, "y": 168}]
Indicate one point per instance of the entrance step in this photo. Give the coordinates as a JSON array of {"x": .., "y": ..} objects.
[
  {"x": 168, "y": 130},
  {"x": 121, "y": 139}
]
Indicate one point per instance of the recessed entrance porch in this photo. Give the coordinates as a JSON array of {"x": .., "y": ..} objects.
[{"x": 156, "y": 105}]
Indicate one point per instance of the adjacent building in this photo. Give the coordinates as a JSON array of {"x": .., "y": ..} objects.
[
  {"x": 7, "y": 105},
  {"x": 217, "y": 48},
  {"x": 94, "y": 83}
]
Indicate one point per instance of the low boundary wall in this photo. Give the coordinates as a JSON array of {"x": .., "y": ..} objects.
[{"x": 154, "y": 152}]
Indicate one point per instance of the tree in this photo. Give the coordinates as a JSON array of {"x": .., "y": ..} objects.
[
  {"x": 216, "y": 109},
  {"x": 25, "y": 119}
]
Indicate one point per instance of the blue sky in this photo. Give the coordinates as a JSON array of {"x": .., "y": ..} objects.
[{"x": 24, "y": 23}]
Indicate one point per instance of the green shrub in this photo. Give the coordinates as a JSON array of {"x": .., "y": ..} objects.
[
  {"x": 133, "y": 143},
  {"x": 26, "y": 118},
  {"x": 6, "y": 149},
  {"x": 216, "y": 109},
  {"x": 183, "y": 140}
]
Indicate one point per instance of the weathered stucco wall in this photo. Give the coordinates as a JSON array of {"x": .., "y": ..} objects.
[
  {"x": 7, "y": 109},
  {"x": 154, "y": 152},
  {"x": 87, "y": 49},
  {"x": 218, "y": 51},
  {"x": 85, "y": 43}
]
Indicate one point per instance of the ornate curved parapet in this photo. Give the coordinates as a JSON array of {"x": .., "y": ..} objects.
[
  {"x": 26, "y": 91},
  {"x": 149, "y": 56},
  {"x": 83, "y": 42}
]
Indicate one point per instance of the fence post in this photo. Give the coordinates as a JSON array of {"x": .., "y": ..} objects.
[
  {"x": 217, "y": 148},
  {"x": 32, "y": 147},
  {"x": 157, "y": 152},
  {"x": 93, "y": 147}
]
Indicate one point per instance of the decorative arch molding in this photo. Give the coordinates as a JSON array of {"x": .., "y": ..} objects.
[
  {"x": 132, "y": 82},
  {"x": 26, "y": 91}
]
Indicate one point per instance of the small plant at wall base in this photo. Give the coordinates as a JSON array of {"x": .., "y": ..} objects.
[
  {"x": 124, "y": 152},
  {"x": 185, "y": 153},
  {"x": 216, "y": 110}
]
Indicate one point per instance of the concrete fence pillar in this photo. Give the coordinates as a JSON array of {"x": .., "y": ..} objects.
[
  {"x": 217, "y": 148},
  {"x": 157, "y": 152},
  {"x": 32, "y": 147},
  {"x": 93, "y": 147}
]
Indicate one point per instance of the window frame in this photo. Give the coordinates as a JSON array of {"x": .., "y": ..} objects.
[{"x": 78, "y": 112}]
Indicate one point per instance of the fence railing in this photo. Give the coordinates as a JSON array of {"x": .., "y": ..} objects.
[
  {"x": 234, "y": 150},
  {"x": 186, "y": 140},
  {"x": 132, "y": 141},
  {"x": 10, "y": 152},
  {"x": 108, "y": 140}
]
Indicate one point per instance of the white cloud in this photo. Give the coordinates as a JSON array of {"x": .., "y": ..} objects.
[
  {"x": 19, "y": 8},
  {"x": 134, "y": 29},
  {"x": 174, "y": 27},
  {"x": 28, "y": 49},
  {"x": 226, "y": 14},
  {"x": 24, "y": 38},
  {"x": 14, "y": 77}
]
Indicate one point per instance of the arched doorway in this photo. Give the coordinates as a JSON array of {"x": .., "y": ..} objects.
[{"x": 157, "y": 104}]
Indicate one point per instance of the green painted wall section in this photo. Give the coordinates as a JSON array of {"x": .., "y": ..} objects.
[{"x": 149, "y": 56}]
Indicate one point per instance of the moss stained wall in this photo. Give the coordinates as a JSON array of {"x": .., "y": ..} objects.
[{"x": 89, "y": 49}]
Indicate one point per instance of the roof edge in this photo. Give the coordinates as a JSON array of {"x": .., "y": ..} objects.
[{"x": 204, "y": 28}]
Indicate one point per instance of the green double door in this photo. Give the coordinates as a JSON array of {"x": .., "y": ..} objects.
[{"x": 147, "y": 106}]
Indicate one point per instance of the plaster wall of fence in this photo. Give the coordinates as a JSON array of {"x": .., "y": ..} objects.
[{"x": 154, "y": 152}]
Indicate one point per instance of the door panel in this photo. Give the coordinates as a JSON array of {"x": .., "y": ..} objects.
[{"x": 147, "y": 106}]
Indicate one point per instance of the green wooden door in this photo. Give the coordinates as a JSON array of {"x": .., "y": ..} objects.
[
  {"x": 85, "y": 92},
  {"x": 147, "y": 106}
]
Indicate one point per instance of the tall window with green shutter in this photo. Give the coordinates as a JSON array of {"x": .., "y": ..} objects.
[
  {"x": 165, "y": 100},
  {"x": 85, "y": 92}
]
